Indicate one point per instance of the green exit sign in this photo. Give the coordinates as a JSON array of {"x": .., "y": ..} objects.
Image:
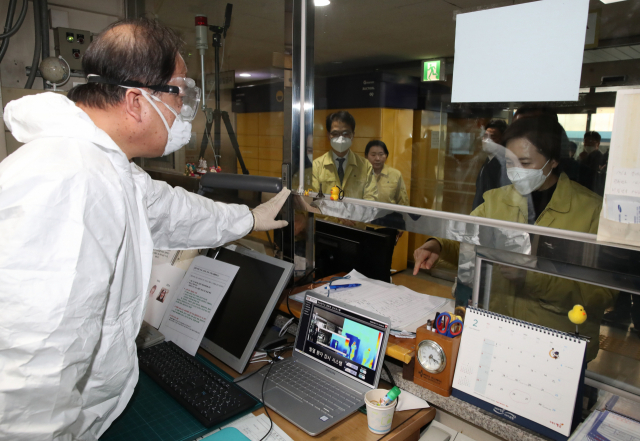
[{"x": 433, "y": 70}]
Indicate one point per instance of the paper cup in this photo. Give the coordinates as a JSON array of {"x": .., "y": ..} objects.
[{"x": 379, "y": 417}]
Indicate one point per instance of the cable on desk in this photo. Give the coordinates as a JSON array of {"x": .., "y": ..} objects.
[
  {"x": 252, "y": 374},
  {"x": 273, "y": 361},
  {"x": 266, "y": 409},
  {"x": 300, "y": 282}
]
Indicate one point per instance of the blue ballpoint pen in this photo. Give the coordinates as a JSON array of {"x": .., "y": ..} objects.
[{"x": 350, "y": 285}]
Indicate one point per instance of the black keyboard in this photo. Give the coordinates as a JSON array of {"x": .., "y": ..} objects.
[{"x": 205, "y": 394}]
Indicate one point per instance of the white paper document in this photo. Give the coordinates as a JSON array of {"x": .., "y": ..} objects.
[
  {"x": 623, "y": 209},
  {"x": 256, "y": 427},
  {"x": 621, "y": 206},
  {"x": 535, "y": 40},
  {"x": 615, "y": 427},
  {"x": 407, "y": 309},
  {"x": 163, "y": 284},
  {"x": 196, "y": 301}
]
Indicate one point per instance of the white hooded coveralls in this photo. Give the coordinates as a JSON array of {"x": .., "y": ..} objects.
[{"x": 78, "y": 225}]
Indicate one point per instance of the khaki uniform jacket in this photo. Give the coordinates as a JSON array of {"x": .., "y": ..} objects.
[
  {"x": 358, "y": 176},
  {"x": 542, "y": 299},
  {"x": 391, "y": 188}
]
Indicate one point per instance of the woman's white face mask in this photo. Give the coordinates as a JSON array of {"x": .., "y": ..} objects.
[
  {"x": 179, "y": 133},
  {"x": 527, "y": 180}
]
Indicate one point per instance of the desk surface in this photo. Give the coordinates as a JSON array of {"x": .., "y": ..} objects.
[
  {"x": 406, "y": 424},
  {"x": 402, "y": 349}
]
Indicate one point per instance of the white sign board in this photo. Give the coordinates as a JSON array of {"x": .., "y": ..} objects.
[{"x": 525, "y": 52}]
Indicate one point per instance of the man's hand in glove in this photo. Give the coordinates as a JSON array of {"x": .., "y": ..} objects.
[{"x": 264, "y": 215}]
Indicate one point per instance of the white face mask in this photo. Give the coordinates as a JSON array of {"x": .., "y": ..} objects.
[
  {"x": 526, "y": 180},
  {"x": 180, "y": 132},
  {"x": 340, "y": 144}
]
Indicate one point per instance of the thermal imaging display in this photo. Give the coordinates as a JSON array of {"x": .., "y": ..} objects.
[{"x": 342, "y": 339}]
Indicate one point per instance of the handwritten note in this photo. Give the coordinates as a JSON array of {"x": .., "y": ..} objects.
[
  {"x": 623, "y": 181},
  {"x": 197, "y": 299}
]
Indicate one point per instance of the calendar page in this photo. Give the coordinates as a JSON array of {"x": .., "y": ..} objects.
[{"x": 520, "y": 368}]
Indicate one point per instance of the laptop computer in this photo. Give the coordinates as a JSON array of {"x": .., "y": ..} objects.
[{"x": 337, "y": 358}]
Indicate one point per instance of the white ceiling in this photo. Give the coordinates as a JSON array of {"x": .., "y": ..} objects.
[{"x": 351, "y": 33}]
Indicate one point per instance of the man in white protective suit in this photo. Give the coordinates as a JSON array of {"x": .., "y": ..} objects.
[{"x": 78, "y": 225}]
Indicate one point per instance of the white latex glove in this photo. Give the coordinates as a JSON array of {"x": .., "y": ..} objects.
[{"x": 264, "y": 214}]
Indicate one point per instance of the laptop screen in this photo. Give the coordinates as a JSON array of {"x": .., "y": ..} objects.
[{"x": 341, "y": 339}]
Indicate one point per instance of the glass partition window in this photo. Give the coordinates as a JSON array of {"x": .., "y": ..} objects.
[
  {"x": 611, "y": 323},
  {"x": 462, "y": 157}
]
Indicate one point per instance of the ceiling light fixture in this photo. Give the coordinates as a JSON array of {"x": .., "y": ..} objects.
[
  {"x": 606, "y": 2},
  {"x": 245, "y": 74},
  {"x": 327, "y": 2}
]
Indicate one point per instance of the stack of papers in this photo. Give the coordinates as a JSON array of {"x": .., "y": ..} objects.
[
  {"x": 407, "y": 309},
  {"x": 256, "y": 427},
  {"x": 619, "y": 405},
  {"x": 607, "y": 426}
]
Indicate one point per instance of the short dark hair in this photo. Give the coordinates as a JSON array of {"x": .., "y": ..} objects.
[
  {"x": 139, "y": 49},
  {"x": 375, "y": 143},
  {"x": 545, "y": 133},
  {"x": 593, "y": 135},
  {"x": 498, "y": 124},
  {"x": 342, "y": 116},
  {"x": 573, "y": 147},
  {"x": 529, "y": 110}
]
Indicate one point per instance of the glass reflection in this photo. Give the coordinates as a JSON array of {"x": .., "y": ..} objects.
[
  {"x": 341, "y": 166},
  {"x": 391, "y": 188},
  {"x": 540, "y": 194}
]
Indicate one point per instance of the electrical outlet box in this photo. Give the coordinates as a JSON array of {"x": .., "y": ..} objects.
[{"x": 71, "y": 44}]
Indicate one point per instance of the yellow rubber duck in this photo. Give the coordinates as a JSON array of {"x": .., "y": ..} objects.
[
  {"x": 336, "y": 193},
  {"x": 577, "y": 316}
]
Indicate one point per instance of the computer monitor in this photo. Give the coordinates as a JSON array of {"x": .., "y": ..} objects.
[
  {"x": 341, "y": 249},
  {"x": 245, "y": 310}
]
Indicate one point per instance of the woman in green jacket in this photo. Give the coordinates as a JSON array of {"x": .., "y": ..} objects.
[{"x": 539, "y": 195}]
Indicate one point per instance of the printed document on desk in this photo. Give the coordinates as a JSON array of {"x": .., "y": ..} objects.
[
  {"x": 256, "y": 427},
  {"x": 407, "y": 309},
  {"x": 196, "y": 301},
  {"x": 610, "y": 426}
]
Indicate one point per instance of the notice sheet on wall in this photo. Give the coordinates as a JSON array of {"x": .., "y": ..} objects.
[
  {"x": 620, "y": 217},
  {"x": 196, "y": 301},
  {"x": 535, "y": 40}
]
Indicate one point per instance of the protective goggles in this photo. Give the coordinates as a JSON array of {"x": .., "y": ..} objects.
[{"x": 184, "y": 88}]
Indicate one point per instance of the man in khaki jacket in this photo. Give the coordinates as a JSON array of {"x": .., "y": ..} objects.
[{"x": 341, "y": 167}]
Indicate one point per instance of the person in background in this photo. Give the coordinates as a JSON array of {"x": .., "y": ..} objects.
[
  {"x": 573, "y": 148},
  {"x": 570, "y": 165},
  {"x": 341, "y": 166},
  {"x": 528, "y": 111},
  {"x": 592, "y": 157},
  {"x": 592, "y": 173},
  {"x": 538, "y": 195},
  {"x": 493, "y": 173},
  {"x": 391, "y": 188}
]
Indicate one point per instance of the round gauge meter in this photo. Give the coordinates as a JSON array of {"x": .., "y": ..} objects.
[{"x": 431, "y": 356}]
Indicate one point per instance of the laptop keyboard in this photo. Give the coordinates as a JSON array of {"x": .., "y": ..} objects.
[{"x": 312, "y": 388}]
